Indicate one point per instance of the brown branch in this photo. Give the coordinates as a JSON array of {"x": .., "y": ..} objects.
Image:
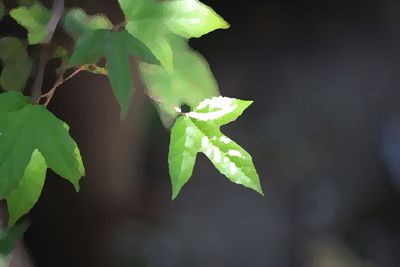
[
  {"x": 56, "y": 13},
  {"x": 45, "y": 52},
  {"x": 36, "y": 90}
]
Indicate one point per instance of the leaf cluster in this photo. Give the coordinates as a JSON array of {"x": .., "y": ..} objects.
[{"x": 151, "y": 43}]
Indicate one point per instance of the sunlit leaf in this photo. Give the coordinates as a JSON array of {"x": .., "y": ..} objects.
[
  {"x": 184, "y": 146},
  {"x": 191, "y": 135},
  {"x": 185, "y": 85},
  {"x": 152, "y": 23},
  {"x": 146, "y": 22},
  {"x": 191, "y": 18},
  {"x": 219, "y": 110}
]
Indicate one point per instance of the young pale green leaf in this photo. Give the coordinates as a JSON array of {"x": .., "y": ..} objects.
[
  {"x": 2, "y": 9},
  {"x": 9, "y": 236},
  {"x": 152, "y": 32},
  {"x": 77, "y": 22},
  {"x": 34, "y": 19},
  {"x": 27, "y": 129},
  {"x": 116, "y": 47},
  {"x": 219, "y": 110},
  {"x": 185, "y": 85},
  {"x": 153, "y": 22},
  {"x": 190, "y": 135},
  {"x": 16, "y": 62},
  {"x": 191, "y": 18},
  {"x": 184, "y": 146},
  {"x": 22, "y": 199}
]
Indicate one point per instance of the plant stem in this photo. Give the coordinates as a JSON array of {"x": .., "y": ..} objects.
[
  {"x": 45, "y": 52},
  {"x": 59, "y": 82},
  {"x": 36, "y": 90}
]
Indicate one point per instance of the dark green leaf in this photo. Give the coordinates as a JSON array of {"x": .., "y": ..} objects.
[
  {"x": 116, "y": 47},
  {"x": 27, "y": 129},
  {"x": 90, "y": 48},
  {"x": 9, "y": 236},
  {"x": 17, "y": 64},
  {"x": 12, "y": 101},
  {"x": 119, "y": 71}
]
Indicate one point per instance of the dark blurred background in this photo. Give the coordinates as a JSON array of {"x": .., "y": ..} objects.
[{"x": 324, "y": 133}]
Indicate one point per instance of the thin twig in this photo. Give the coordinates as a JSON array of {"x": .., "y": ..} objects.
[{"x": 49, "y": 95}]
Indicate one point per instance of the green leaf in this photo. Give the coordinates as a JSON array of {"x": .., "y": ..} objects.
[
  {"x": 2, "y": 9},
  {"x": 146, "y": 22},
  {"x": 116, "y": 47},
  {"x": 191, "y": 135},
  {"x": 12, "y": 101},
  {"x": 21, "y": 200},
  {"x": 29, "y": 128},
  {"x": 185, "y": 85},
  {"x": 153, "y": 22},
  {"x": 152, "y": 32},
  {"x": 35, "y": 19},
  {"x": 9, "y": 236},
  {"x": 77, "y": 22},
  {"x": 219, "y": 110},
  {"x": 191, "y": 18},
  {"x": 16, "y": 62},
  {"x": 184, "y": 146},
  {"x": 90, "y": 48},
  {"x": 119, "y": 71}
]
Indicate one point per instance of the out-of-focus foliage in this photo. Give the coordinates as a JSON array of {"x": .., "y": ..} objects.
[
  {"x": 34, "y": 19},
  {"x": 16, "y": 62},
  {"x": 8, "y": 237},
  {"x": 190, "y": 71}
]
